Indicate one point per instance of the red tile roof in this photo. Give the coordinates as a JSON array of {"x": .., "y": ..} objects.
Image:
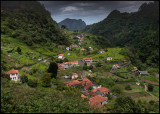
[
  {"x": 12, "y": 71},
  {"x": 82, "y": 49},
  {"x": 86, "y": 58},
  {"x": 74, "y": 74},
  {"x": 103, "y": 90},
  {"x": 72, "y": 83},
  {"x": 83, "y": 96},
  {"x": 96, "y": 100},
  {"x": 60, "y": 54}
]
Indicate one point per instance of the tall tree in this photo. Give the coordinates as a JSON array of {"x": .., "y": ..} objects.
[{"x": 53, "y": 67}]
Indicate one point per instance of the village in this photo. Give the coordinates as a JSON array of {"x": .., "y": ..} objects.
[{"x": 97, "y": 94}]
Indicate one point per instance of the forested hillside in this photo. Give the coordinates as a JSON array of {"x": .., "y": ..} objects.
[
  {"x": 139, "y": 31},
  {"x": 30, "y": 22}
]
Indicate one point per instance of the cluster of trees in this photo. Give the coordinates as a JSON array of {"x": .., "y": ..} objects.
[
  {"x": 139, "y": 31},
  {"x": 30, "y": 22}
]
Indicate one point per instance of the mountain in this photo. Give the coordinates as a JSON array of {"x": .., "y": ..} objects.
[
  {"x": 73, "y": 24},
  {"x": 139, "y": 31},
  {"x": 30, "y": 22}
]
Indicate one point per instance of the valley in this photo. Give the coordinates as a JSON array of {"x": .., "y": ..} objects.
[{"x": 63, "y": 71}]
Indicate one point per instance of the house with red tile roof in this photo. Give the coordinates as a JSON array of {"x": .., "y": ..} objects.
[
  {"x": 82, "y": 49},
  {"x": 87, "y": 59},
  {"x": 83, "y": 96},
  {"x": 109, "y": 58},
  {"x": 101, "y": 91},
  {"x": 61, "y": 56},
  {"x": 115, "y": 66},
  {"x": 101, "y": 51},
  {"x": 73, "y": 46},
  {"x": 67, "y": 48},
  {"x": 73, "y": 83},
  {"x": 14, "y": 74},
  {"x": 97, "y": 101}
]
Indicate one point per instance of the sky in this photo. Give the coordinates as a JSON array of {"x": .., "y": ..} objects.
[{"x": 89, "y": 11}]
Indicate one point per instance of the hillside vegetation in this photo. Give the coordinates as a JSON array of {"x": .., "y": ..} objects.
[{"x": 139, "y": 31}]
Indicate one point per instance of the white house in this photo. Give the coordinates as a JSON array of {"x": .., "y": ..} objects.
[
  {"x": 67, "y": 48},
  {"x": 61, "y": 56},
  {"x": 90, "y": 48},
  {"x": 101, "y": 51},
  {"x": 14, "y": 74},
  {"x": 74, "y": 75},
  {"x": 109, "y": 58}
]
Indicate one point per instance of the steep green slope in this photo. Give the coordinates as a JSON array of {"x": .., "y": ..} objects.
[
  {"x": 30, "y": 22},
  {"x": 139, "y": 31}
]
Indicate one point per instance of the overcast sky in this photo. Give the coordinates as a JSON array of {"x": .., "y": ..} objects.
[{"x": 89, "y": 11}]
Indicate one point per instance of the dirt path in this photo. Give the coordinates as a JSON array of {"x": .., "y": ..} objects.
[{"x": 145, "y": 88}]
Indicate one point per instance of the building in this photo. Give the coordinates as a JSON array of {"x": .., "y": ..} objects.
[
  {"x": 67, "y": 48},
  {"x": 73, "y": 83},
  {"x": 87, "y": 59},
  {"x": 74, "y": 75},
  {"x": 14, "y": 74},
  {"x": 90, "y": 48},
  {"x": 116, "y": 66},
  {"x": 97, "y": 101},
  {"x": 137, "y": 83},
  {"x": 109, "y": 58},
  {"x": 61, "y": 56},
  {"x": 101, "y": 51},
  {"x": 134, "y": 69},
  {"x": 101, "y": 91},
  {"x": 73, "y": 46},
  {"x": 81, "y": 39},
  {"x": 143, "y": 72},
  {"x": 82, "y": 49},
  {"x": 74, "y": 63}
]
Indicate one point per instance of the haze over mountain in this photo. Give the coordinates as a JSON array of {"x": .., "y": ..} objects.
[{"x": 73, "y": 24}]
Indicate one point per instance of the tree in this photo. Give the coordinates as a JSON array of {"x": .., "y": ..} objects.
[
  {"x": 53, "y": 67},
  {"x": 90, "y": 88},
  {"x": 19, "y": 50},
  {"x": 117, "y": 90},
  {"x": 85, "y": 66},
  {"x": 63, "y": 27},
  {"x": 150, "y": 87},
  {"x": 32, "y": 83},
  {"x": 24, "y": 79},
  {"x": 46, "y": 80},
  {"x": 98, "y": 64}
]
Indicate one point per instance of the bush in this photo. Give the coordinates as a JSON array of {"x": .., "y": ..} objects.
[
  {"x": 46, "y": 80},
  {"x": 24, "y": 79},
  {"x": 128, "y": 87},
  {"x": 32, "y": 83},
  {"x": 150, "y": 87},
  {"x": 117, "y": 90}
]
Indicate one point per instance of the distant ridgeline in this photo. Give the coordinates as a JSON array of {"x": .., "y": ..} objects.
[
  {"x": 73, "y": 24},
  {"x": 29, "y": 21},
  {"x": 138, "y": 30}
]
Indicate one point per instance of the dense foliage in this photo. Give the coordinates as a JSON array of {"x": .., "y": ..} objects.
[
  {"x": 30, "y": 22},
  {"x": 139, "y": 31}
]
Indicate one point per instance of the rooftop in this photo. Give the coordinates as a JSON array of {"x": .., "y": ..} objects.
[{"x": 12, "y": 71}]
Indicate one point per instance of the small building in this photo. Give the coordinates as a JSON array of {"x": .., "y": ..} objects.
[
  {"x": 82, "y": 49},
  {"x": 97, "y": 101},
  {"x": 73, "y": 83},
  {"x": 116, "y": 66},
  {"x": 73, "y": 46},
  {"x": 81, "y": 39},
  {"x": 101, "y": 91},
  {"x": 74, "y": 63},
  {"x": 67, "y": 48},
  {"x": 61, "y": 56},
  {"x": 101, "y": 51},
  {"x": 74, "y": 75},
  {"x": 87, "y": 59},
  {"x": 83, "y": 96},
  {"x": 109, "y": 58},
  {"x": 134, "y": 69},
  {"x": 137, "y": 83},
  {"x": 14, "y": 74},
  {"x": 90, "y": 48},
  {"x": 143, "y": 72}
]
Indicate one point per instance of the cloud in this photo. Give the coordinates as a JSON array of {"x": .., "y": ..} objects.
[{"x": 88, "y": 11}]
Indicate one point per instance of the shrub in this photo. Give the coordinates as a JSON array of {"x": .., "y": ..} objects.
[
  {"x": 128, "y": 87},
  {"x": 150, "y": 87},
  {"x": 24, "y": 79},
  {"x": 46, "y": 80},
  {"x": 32, "y": 83}
]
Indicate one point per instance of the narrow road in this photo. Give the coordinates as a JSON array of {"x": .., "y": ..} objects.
[{"x": 145, "y": 88}]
